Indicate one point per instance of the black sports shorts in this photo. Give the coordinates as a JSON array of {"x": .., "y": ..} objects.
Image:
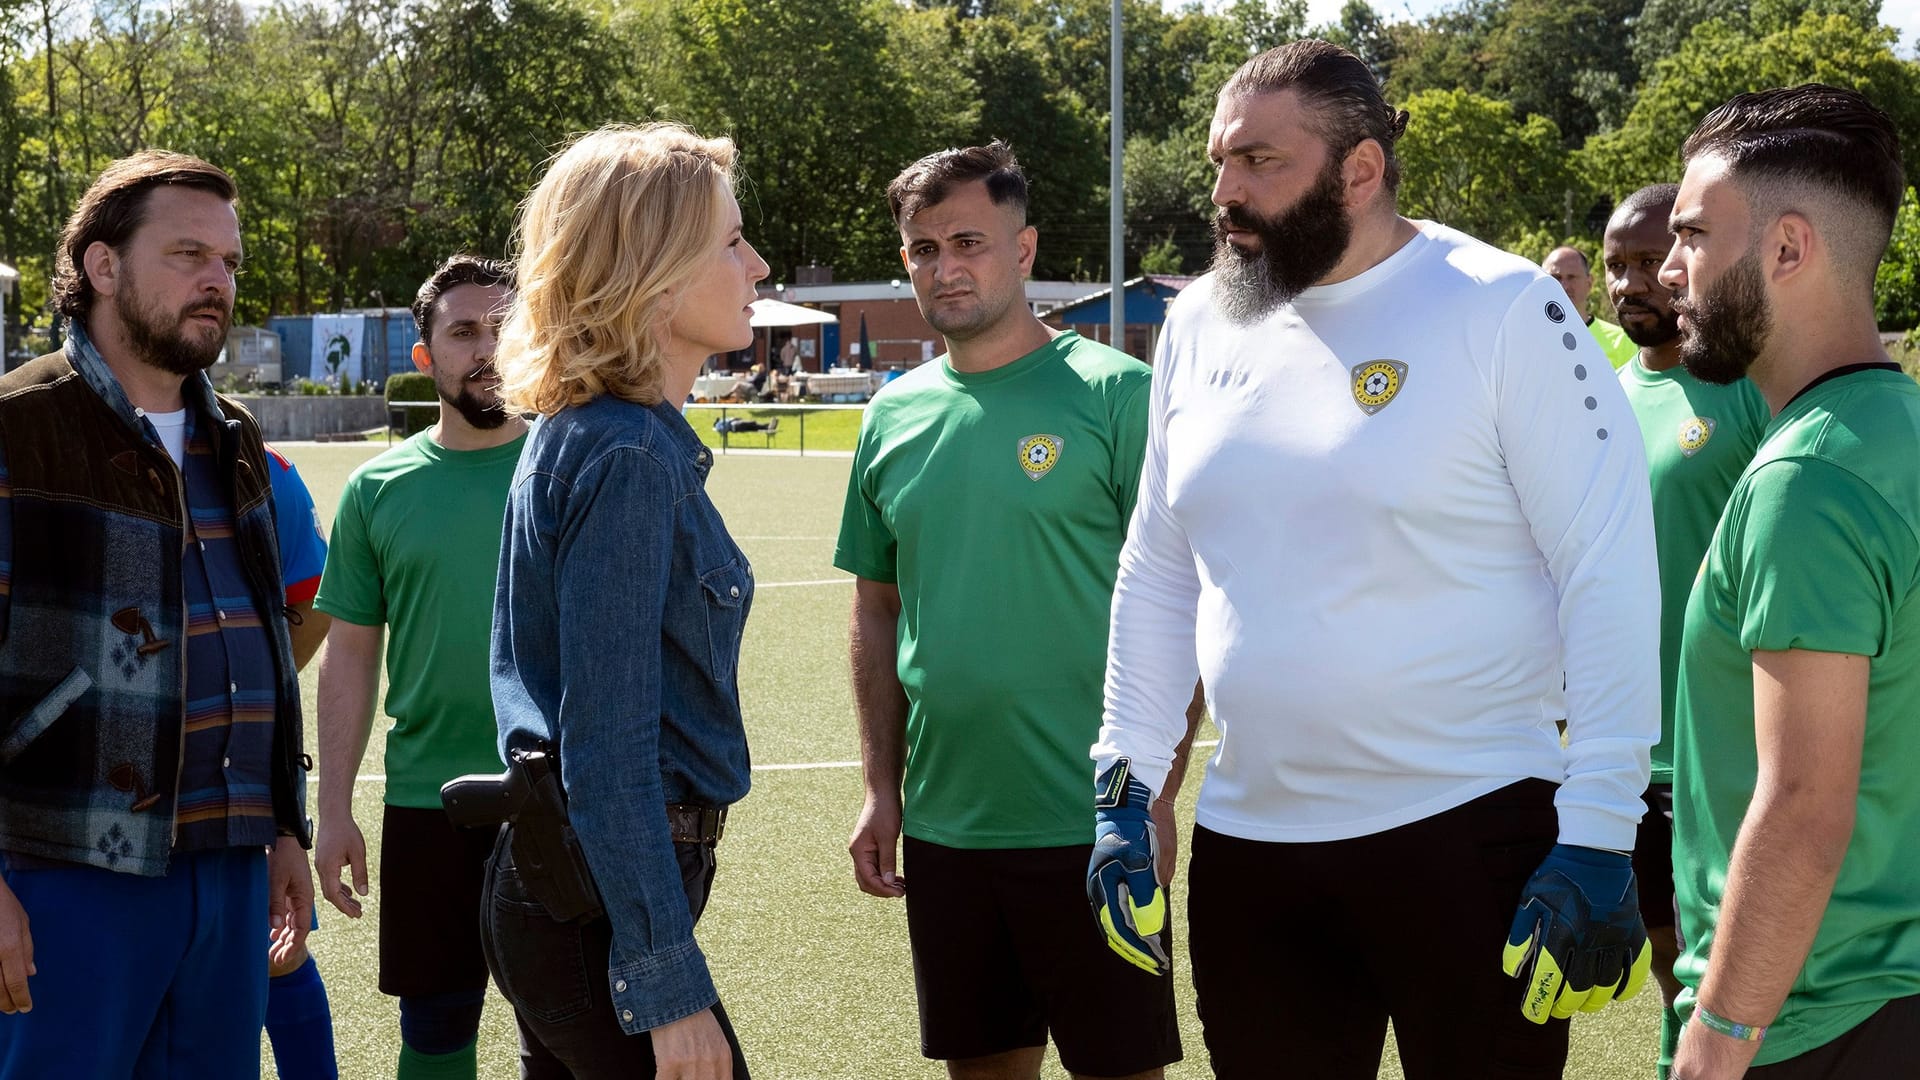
[
  {"x": 1006, "y": 951},
  {"x": 1653, "y": 857},
  {"x": 1301, "y": 952},
  {"x": 1878, "y": 1048},
  {"x": 430, "y": 882}
]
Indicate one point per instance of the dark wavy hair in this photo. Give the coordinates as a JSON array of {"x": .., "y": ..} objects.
[
  {"x": 114, "y": 208},
  {"x": 457, "y": 270}
]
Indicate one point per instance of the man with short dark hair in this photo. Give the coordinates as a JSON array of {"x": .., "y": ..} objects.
[
  {"x": 1395, "y": 513},
  {"x": 1796, "y": 801},
  {"x": 1012, "y": 457},
  {"x": 416, "y": 548},
  {"x": 152, "y": 802},
  {"x": 1569, "y": 267},
  {"x": 1698, "y": 437}
]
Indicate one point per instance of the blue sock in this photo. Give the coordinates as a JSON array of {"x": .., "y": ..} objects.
[{"x": 300, "y": 1023}]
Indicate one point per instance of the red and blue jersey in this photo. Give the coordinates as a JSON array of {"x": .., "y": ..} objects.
[{"x": 303, "y": 543}]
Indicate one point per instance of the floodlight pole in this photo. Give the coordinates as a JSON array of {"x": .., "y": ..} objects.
[{"x": 1116, "y": 227}]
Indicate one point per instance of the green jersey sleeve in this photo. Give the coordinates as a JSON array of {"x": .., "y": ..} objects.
[
  {"x": 1129, "y": 441},
  {"x": 350, "y": 586},
  {"x": 1817, "y": 549},
  {"x": 866, "y": 547}
]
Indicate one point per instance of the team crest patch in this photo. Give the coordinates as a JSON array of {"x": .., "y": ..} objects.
[
  {"x": 1694, "y": 433},
  {"x": 1039, "y": 454},
  {"x": 1376, "y": 382}
]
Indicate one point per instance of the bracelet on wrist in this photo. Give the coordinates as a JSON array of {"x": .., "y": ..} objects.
[{"x": 1713, "y": 1020}]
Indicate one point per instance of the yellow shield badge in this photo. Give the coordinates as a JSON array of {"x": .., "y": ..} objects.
[
  {"x": 1694, "y": 433},
  {"x": 1039, "y": 454},
  {"x": 1376, "y": 382}
]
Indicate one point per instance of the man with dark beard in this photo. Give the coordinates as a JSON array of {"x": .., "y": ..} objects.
[
  {"x": 1698, "y": 436},
  {"x": 416, "y": 549},
  {"x": 1390, "y": 499},
  {"x": 1010, "y": 459},
  {"x": 152, "y": 806},
  {"x": 1795, "y": 789}
]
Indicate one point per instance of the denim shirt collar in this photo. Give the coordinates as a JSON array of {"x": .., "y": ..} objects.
[
  {"x": 684, "y": 439},
  {"x": 197, "y": 390}
]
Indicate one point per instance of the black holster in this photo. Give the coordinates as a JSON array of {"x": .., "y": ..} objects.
[{"x": 546, "y": 853}]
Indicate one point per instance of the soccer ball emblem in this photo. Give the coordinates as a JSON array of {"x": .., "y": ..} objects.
[
  {"x": 1376, "y": 384},
  {"x": 1039, "y": 454},
  {"x": 1693, "y": 434}
]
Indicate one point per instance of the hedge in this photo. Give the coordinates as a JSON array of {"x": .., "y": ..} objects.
[{"x": 414, "y": 386}]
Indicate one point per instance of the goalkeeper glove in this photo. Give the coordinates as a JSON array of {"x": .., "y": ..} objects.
[
  {"x": 1122, "y": 884},
  {"x": 1577, "y": 940}
]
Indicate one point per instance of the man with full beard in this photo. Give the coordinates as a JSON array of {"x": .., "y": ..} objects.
[
  {"x": 152, "y": 805},
  {"x": 1391, "y": 494},
  {"x": 1795, "y": 791},
  {"x": 1698, "y": 436},
  {"x": 416, "y": 549},
  {"x": 984, "y": 515}
]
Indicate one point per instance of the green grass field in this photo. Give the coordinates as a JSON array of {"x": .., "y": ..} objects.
[
  {"x": 814, "y": 972},
  {"x": 809, "y": 431}
]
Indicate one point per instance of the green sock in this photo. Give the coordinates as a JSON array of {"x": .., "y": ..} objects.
[
  {"x": 462, "y": 1064},
  {"x": 1669, "y": 1039}
]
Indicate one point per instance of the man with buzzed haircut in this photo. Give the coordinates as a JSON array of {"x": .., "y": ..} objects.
[
  {"x": 416, "y": 549},
  {"x": 1569, "y": 267},
  {"x": 1698, "y": 436},
  {"x": 1796, "y": 788},
  {"x": 1013, "y": 458},
  {"x": 1393, "y": 509}
]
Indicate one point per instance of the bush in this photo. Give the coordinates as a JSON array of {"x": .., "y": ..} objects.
[{"x": 413, "y": 386}]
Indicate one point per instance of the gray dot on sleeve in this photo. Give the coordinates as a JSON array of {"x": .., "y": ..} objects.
[
  {"x": 1601, "y": 434},
  {"x": 1592, "y": 404},
  {"x": 1580, "y": 371},
  {"x": 1567, "y": 340}
]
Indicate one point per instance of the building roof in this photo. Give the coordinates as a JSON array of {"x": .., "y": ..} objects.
[{"x": 1146, "y": 302}]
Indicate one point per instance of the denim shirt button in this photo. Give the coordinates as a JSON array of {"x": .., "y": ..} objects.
[
  {"x": 627, "y": 1015},
  {"x": 734, "y": 592},
  {"x": 620, "y": 986}
]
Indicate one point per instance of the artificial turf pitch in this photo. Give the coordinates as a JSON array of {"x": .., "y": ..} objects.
[{"x": 814, "y": 973}]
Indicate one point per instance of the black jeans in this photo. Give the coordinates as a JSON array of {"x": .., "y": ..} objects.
[{"x": 554, "y": 974}]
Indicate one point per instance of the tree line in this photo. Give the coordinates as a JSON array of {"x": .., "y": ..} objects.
[{"x": 372, "y": 137}]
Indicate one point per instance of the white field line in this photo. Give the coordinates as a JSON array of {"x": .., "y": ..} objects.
[
  {"x": 801, "y": 766},
  {"x": 848, "y": 580}
]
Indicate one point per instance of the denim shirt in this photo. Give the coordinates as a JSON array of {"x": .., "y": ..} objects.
[{"x": 616, "y": 634}]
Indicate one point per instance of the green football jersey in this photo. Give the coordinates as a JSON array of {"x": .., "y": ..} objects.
[
  {"x": 1614, "y": 342},
  {"x": 997, "y": 503},
  {"x": 1699, "y": 438},
  {"x": 416, "y": 546},
  {"x": 1819, "y": 549}
]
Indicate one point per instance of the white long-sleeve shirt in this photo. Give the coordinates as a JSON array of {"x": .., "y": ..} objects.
[{"x": 1382, "y": 524}]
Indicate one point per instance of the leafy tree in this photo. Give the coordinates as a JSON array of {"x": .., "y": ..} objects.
[
  {"x": 1062, "y": 142},
  {"x": 1896, "y": 285},
  {"x": 1467, "y": 161},
  {"x": 1663, "y": 24},
  {"x": 1719, "y": 60},
  {"x": 1365, "y": 33},
  {"x": 827, "y": 100}
]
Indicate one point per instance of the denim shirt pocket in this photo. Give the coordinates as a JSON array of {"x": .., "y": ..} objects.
[{"x": 727, "y": 589}]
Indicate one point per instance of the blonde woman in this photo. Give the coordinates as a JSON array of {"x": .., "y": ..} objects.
[{"x": 621, "y": 601}]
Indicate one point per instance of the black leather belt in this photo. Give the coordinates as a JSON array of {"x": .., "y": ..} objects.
[{"x": 696, "y": 824}]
